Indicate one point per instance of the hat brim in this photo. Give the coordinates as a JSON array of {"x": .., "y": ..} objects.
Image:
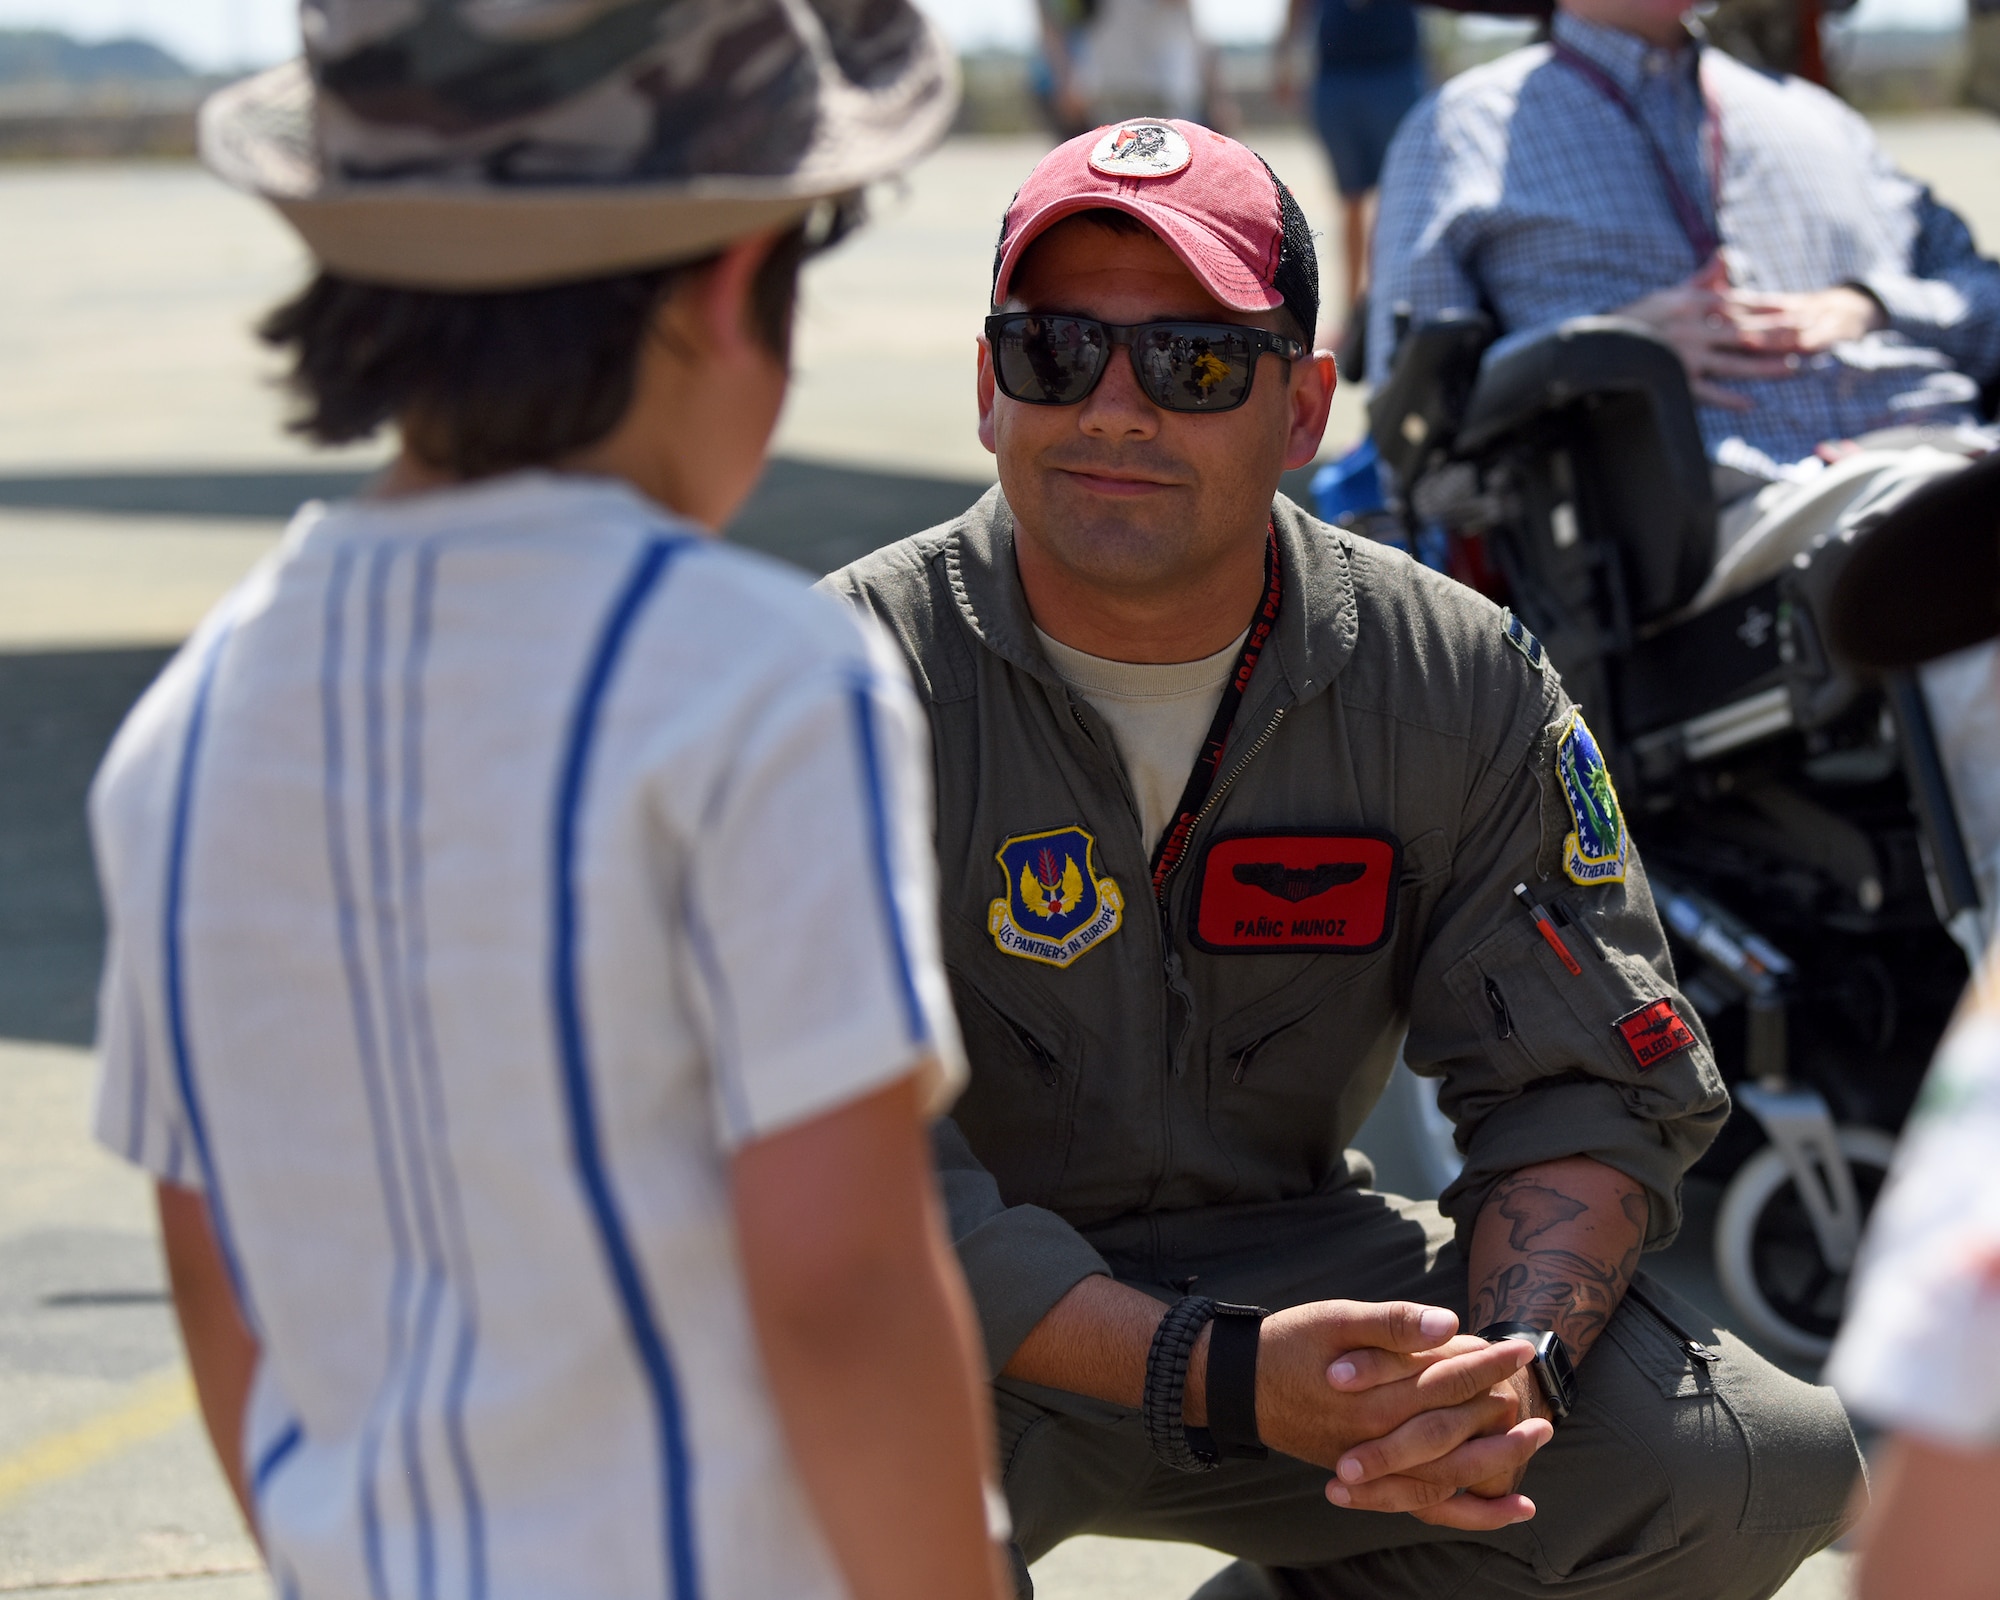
[
  {"x": 1925, "y": 581},
  {"x": 1214, "y": 264},
  {"x": 258, "y": 135}
]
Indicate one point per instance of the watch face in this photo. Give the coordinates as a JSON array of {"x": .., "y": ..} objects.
[{"x": 1559, "y": 1371}]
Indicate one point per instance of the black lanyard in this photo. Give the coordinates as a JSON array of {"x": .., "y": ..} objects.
[
  {"x": 1701, "y": 233},
  {"x": 1173, "y": 845}
]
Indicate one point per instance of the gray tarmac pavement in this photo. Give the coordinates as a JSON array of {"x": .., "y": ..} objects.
[{"x": 142, "y": 470}]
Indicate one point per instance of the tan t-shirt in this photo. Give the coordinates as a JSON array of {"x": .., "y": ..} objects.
[{"x": 1159, "y": 714}]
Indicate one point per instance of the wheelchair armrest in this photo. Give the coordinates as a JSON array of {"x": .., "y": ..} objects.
[
  {"x": 1584, "y": 356},
  {"x": 1419, "y": 407}
]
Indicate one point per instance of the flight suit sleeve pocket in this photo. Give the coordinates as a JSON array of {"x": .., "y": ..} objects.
[{"x": 1504, "y": 1001}]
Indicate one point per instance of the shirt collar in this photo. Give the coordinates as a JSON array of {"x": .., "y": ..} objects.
[{"x": 1628, "y": 59}]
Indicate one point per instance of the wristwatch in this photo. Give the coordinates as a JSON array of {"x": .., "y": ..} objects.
[{"x": 1552, "y": 1366}]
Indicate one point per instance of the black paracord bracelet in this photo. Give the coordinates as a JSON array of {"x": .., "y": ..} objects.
[{"x": 1166, "y": 1384}]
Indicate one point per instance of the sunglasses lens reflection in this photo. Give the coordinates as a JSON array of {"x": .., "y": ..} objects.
[
  {"x": 1049, "y": 360},
  {"x": 1195, "y": 369}
]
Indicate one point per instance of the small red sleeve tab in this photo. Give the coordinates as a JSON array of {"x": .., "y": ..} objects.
[{"x": 1654, "y": 1032}]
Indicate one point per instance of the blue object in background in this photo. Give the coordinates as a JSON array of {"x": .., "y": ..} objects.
[
  {"x": 1434, "y": 548},
  {"x": 1349, "y": 486}
]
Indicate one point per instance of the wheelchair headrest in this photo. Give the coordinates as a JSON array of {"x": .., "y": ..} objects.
[
  {"x": 1615, "y": 398},
  {"x": 1416, "y": 413}
]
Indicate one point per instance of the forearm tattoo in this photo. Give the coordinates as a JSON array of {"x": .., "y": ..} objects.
[{"x": 1571, "y": 1259}]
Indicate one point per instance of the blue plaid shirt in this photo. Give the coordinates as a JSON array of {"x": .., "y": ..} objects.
[{"x": 1520, "y": 187}]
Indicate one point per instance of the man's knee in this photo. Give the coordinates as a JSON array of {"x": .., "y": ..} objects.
[{"x": 1761, "y": 1467}]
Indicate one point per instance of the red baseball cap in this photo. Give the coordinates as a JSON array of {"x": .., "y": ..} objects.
[{"x": 1213, "y": 202}]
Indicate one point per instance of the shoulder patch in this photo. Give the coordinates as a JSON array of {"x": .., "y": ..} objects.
[
  {"x": 1055, "y": 907},
  {"x": 1654, "y": 1032},
  {"x": 1595, "y": 851},
  {"x": 1523, "y": 641}
]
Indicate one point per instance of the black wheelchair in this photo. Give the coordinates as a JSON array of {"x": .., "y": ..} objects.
[{"x": 1792, "y": 811}]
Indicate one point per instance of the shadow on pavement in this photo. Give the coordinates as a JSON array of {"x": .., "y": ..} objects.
[{"x": 58, "y": 709}]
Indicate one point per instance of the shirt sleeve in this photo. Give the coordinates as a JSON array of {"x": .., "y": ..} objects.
[
  {"x": 1420, "y": 252},
  {"x": 812, "y": 903},
  {"x": 1540, "y": 1063},
  {"x": 1948, "y": 298},
  {"x": 1916, "y": 1352},
  {"x": 138, "y": 1113}
]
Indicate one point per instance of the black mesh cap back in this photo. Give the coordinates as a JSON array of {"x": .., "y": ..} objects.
[{"x": 1297, "y": 274}]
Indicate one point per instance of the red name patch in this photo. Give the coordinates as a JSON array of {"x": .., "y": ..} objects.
[
  {"x": 1297, "y": 891},
  {"x": 1655, "y": 1032}
]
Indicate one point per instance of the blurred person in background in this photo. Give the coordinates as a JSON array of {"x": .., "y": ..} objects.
[
  {"x": 1369, "y": 72},
  {"x": 1143, "y": 58},
  {"x": 1053, "y": 73},
  {"x": 523, "y": 976},
  {"x": 1818, "y": 298},
  {"x": 1919, "y": 1354}
]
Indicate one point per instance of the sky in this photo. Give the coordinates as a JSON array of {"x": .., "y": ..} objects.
[{"x": 219, "y": 34}]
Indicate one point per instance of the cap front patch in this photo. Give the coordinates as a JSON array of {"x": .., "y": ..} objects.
[
  {"x": 1596, "y": 848},
  {"x": 1056, "y": 907},
  {"x": 1297, "y": 892},
  {"x": 1141, "y": 150},
  {"x": 1653, "y": 1033}
]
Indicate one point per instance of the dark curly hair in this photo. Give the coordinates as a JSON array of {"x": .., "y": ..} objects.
[{"x": 486, "y": 383}]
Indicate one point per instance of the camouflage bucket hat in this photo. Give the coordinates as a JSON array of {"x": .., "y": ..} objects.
[{"x": 502, "y": 144}]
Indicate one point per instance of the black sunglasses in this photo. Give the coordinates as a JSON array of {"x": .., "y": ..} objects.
[{"x": 1044, "y": 360}]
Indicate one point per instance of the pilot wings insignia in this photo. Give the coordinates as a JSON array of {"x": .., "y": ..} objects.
[{"x": 1297, "y": 883}]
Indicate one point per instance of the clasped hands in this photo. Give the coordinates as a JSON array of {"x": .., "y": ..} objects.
[
  {"x": 1721, "y": 332},
  {"x": 1407, "y": 1413}
]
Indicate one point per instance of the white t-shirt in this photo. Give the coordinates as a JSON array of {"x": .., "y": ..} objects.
[
  {"x": 1920, "y": 1349},
  {"x": 1159, "y": 714},
  {"x": 489, "y": 867}
]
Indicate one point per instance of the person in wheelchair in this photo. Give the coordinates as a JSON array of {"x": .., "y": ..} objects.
[
  {"x": 1656, "y": 338},
  {"x": 1836, "y": 323}
]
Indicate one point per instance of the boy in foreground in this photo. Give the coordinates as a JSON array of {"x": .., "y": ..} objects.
[{"x": 523, "y": 972}]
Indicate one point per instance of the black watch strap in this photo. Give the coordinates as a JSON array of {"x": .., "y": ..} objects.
[
  {"x": 1553, "y": 1369},
  {"x": 1163, "y": 1408},
  {"x": 1233, "y": 1338}
]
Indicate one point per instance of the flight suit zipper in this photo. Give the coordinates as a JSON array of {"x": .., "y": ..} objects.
[{"x": 1214, "y": 798}]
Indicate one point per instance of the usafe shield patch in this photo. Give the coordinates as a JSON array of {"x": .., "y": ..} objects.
[
  {"x": 1055, "y": 907},
  {"x": 1653, "y": 1033},
  {"x": 1596, "y": 849},
  {"x": 1297, "y": 892}
]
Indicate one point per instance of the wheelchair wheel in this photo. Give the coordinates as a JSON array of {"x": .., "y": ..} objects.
[{"x": 1768, "y": 1256}]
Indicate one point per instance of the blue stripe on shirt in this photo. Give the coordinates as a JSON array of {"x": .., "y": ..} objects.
[
  {"x": 567, "y": 999},
  {"x": 362, "y": 1007},
  {"x": 174, "y": 977},
  {"x": 416, "y": 949},
  {"x": 884, "y": 858}
]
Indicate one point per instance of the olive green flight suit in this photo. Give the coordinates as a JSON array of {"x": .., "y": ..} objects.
[{"x": 1166, "y": 1095}]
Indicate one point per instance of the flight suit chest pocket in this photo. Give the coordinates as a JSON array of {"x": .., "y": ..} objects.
[{"x": 1018, "y": 1113}]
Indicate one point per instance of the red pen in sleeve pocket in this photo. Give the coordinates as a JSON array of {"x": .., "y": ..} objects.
[{"x": 1548, "y": 931}]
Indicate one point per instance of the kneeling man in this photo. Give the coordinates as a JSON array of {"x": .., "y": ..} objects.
[{"x": 1228, "y": 800}]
